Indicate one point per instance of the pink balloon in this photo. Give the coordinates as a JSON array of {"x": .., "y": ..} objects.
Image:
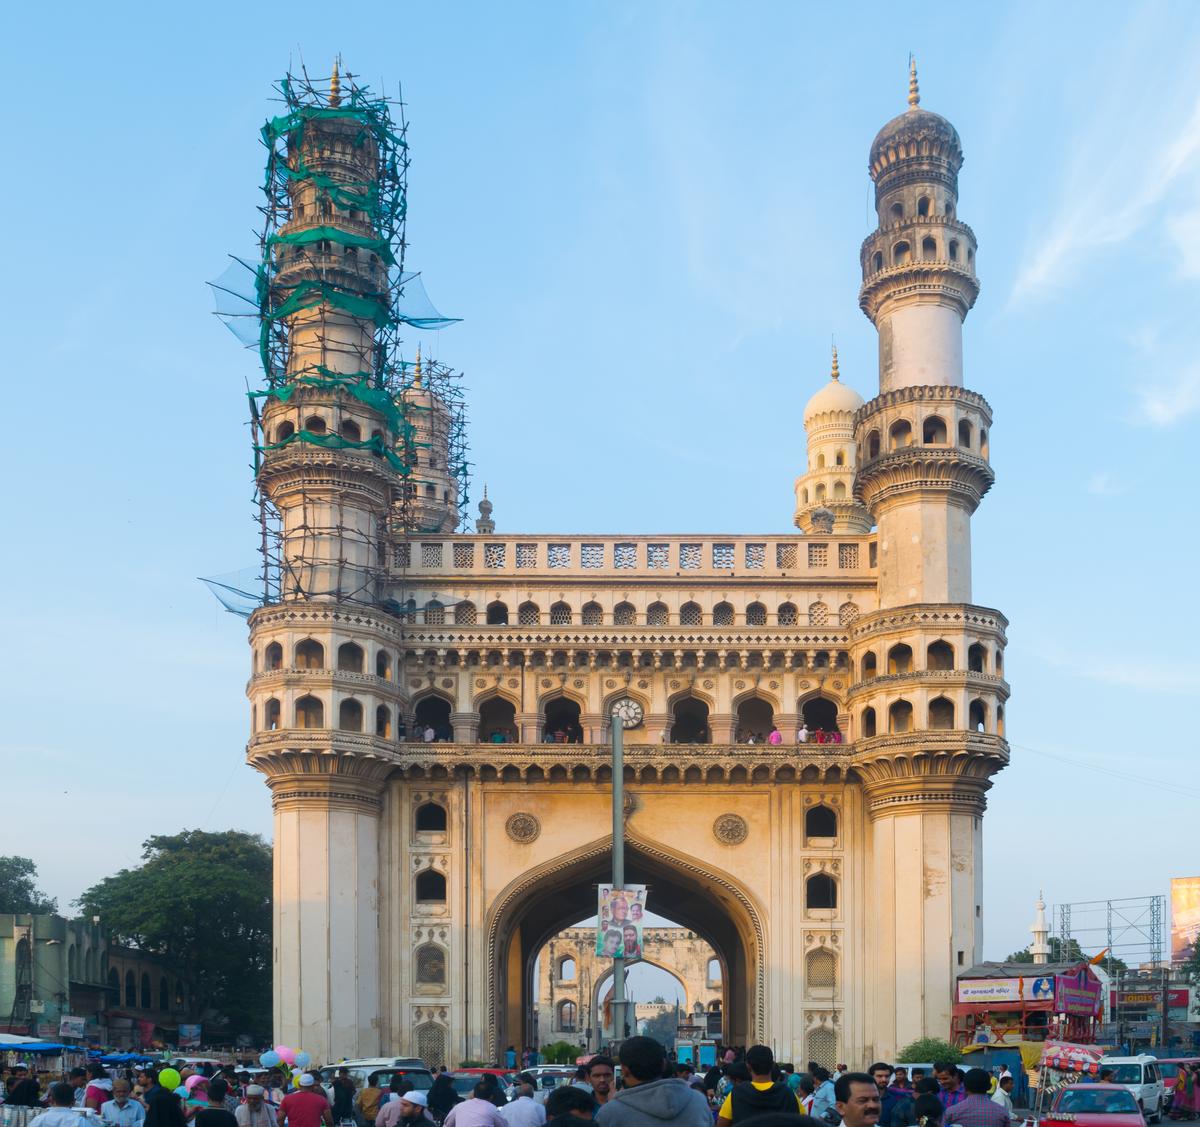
[
  {"x": 192, "y": 1081},
  {"x": 288, "y": 1056}
]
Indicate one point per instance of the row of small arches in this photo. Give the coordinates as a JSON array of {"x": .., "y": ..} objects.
[
  {"x": 839, "y": 492},
  {"x": 902, "y": 253},
  {"x": 934, "y": 432},
  {"x": 939, "y": 657},
  {"x": 657, "y": 614},
  {"x": 144, "y": 998},
  {"x": 939, "y": 716},
  {"x": 310, "y": 654},
  {"x": 925, "y": 208},
  {"x": 316, "y": 424}
]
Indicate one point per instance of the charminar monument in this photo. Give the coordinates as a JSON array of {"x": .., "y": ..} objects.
[{"x": 835, "y": 875}]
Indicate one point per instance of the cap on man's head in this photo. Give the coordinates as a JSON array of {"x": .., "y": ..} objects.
[
  {"x": 306, "y": 1080},
  {"x": 255, "y": 1090},
  {"x": 415, "y": 1097}
]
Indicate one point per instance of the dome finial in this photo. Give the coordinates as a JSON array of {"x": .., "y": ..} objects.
[
  {"x": 834, "y": 373},
  {"x": 335, "y": 86},
  {"x": 417, "y": 369},
  {"x": 914, "y": 91}
]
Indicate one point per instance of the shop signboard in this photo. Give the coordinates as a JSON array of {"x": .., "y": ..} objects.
[
  {"x": 982, "y": 991},
  {"x": 69, "y": 1026},
  {"x": 1077, "y": 994}
]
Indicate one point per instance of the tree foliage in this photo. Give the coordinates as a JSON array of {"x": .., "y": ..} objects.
[
  {"x": 561, "y": 1052},
  {"x": 928, "y": 1050},
  {"x": 662, "y": 1028},
  {"x": 19, "y": 893},
  {"x": 1069, "y": 952},
  {"x": 202, "y": 901}
]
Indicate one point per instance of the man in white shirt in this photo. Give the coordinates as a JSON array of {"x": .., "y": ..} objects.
[
  {"x": 802, "y": 734},
  {"x": 121, "y": 1111},
  {"x": 255, "y": 1112},
  {"x": 1003, "y": 1093},
  {"x": 60, "y": 1113},
  {"x": 524, "y": 1111}
]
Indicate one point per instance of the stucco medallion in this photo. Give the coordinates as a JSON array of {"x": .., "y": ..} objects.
[
  {"x": 731, "y": 829},
  {"x": 522, "y": 827}
]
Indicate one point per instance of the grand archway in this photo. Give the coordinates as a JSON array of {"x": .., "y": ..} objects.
[{"x": 540, "y": 903}]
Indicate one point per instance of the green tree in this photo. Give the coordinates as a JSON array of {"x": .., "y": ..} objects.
[
  {"x": 929, "y": 1050},
  {"x": 662, "y": 1028},
  {"x": 18, "y": 892},
  {"x": 203, "y": 902},
  {"x": 561, "y": 1052}
]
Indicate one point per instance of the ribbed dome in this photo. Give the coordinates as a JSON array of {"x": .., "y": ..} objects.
[
  {"x": 928, "y": 133},
  {"x": 834, "y": 396}
]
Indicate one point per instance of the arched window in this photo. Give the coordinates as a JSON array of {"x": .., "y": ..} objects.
[
  {"x": 314, "y": 424},
  {"x": 560, "y": 614},
  {"x": 820, "y": 892},
  {"x": 755, "y": 719},
  {"x": 820, "y": 969},
  {"x": 657, "y": 614},
  {"x": 465, "y": 613},
  {"x": 787, "y": 615},
  {"x": 433, "y": 712},
  {"x": 900, "y": 716},
  {"x": 901, "y": 253},
  {"x": 528, "y": 614},
  {"x": 431, "y": 887},
  {"x": 566, "y": 1017},
  {"x": 430, "y": 961},
  {"x": 350, "y": 715},
  {"x": 977, "y": 716},
  {"x": 690, "y": 614},
  {"x": 310, "y": 713},
  {"x": 949, "y": 209},
  {"x": 72, "y": 964},
  {"x": 999, "y": 719},
  {"x": 928, "y": 249},
  {"x": 689, "y": 721},
  {"x": 383, "y": 722},
  {"x": 820, "y": 821},
  {"x": 841, "y": 458},
  {"x": 273, "y": 656},
  {"x": 350, "y": 658},
  {"x": 964, "y": 434},
  {"x": 593, "y": 614},
  {"x": 819, "y": 492},
  {"x": 977, "y": 658},
  {"x": 820, "y": 714},
  {"x": 130, "y": 989},
  {"x": 879, "y": 260},
  {"x": 723, "y": 614},
  {"x": 310, "y": 655},
  {"x": 351, "y": 431},
  {"x": 868, "y": 723},
  {"x": 114, "y": 985},
  {"x": 497, "y": 614},
  {"x": 435, "y": 613},
  {"x": 870, "y": 665},
  {"x": 566, "y": 970},
  {"x": 999, "y": 661},
  {"x": 820, "y": 461},
  {"x": 953, "y": 250},
  {"x": 900, "y": 659},
  {"x": 822, "y": 1046},
  {"x": 940, "y": 655},
  {"x": 873, "y": 444},
  {"x": 897, "y": 210},
  {"x": 497, "y": 721},
  {"x": 147, "y": 996},
  {"x": 941, "y": 713},
  {"x": 983, "y": 441},
  {"x": 712, "y": 974},
  {"x": 561, "y": 722},
  {"x": 270, "y": 720},
  {"x": 756, "y": 615},
  {"x": 848, "y": 613},
  {"x": 164, "y": 994},
  {"x": 923, "y": 206},
  {"x": 623, "y": 614},
  {"x": 284, "y": 431},
  {"x": 900, "y": 434},
  {"x": 818, "y": 614},
  {"x": 431, "y": 818},
  {"x": 839, "y": 490},
  {"x": 933, "y": 431},
  {"x": 383, "y": 665}
]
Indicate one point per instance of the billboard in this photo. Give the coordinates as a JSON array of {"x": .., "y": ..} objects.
[
  {"x": 620, "y": 913},
  {"x": 1185, "y": 917},
  {"x": 70, "y": 1026},
  {"x": 1077, "y": 994},
  {"x": 189, "y": 1036},
  {"x": 980, "y": 991}
]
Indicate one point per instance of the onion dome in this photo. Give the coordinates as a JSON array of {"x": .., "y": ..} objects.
[
  {"x": 916, "y": 133},
  {"x": 835, "y": 396}
]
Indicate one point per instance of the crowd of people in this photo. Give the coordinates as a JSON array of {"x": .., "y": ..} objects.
[{"x": 1185, "y": 1093}]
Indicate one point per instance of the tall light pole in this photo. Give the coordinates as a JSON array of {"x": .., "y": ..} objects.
[{"x": 617, "y": 727}]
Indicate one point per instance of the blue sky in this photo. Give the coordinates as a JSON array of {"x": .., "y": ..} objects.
[{"x": 648, "y": 216}]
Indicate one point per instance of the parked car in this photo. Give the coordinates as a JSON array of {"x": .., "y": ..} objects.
[
  {"x": 1141, "y": 1075},
  {"x": 1094, "y": 1105},
  {"x": 362, "y": 1070},
  {"x": 465, "y": 1079},
  {"x": 545, "y": 1077}
]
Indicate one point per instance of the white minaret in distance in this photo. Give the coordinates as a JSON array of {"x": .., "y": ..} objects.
[{"x": 1040, "y": 947}]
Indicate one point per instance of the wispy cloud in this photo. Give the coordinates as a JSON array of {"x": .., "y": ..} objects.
[
  {"x": 1169, "y": 401},
  {"x": 1106, "y": 485},
  {"x": 1184, "y": 230},
  {"x": 1149, "y": 675}
]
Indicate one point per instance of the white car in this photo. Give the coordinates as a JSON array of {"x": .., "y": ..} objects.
[{"x": 1143, "y": 1077}]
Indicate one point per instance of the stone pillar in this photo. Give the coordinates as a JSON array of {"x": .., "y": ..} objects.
[
  {"x": 326, "y": 926},
  {"x": 720, "y": 726},
  {"x": 925, "y": 873}
]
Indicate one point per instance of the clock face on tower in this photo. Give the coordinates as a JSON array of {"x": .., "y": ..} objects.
[{"x": 629, "y": 712}]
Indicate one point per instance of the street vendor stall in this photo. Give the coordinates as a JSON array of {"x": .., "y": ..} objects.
[
  {"x": 1064, "y": 1063},
  {"x": 1004, "y": 1003}
]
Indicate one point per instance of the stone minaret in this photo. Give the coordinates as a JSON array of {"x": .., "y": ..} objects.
[
  {"x": 433, "y": 497},
  {"x": 828, "y": 482},
  {"x": 1040, "y": 947},
  {"x": 323, "y": 696},
  {"x": 928, "y": 695}
]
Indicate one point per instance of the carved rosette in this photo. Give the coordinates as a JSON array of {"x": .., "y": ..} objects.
[
  {"x": 522, "y": 827},
  {"x": 731, "y": 829}
]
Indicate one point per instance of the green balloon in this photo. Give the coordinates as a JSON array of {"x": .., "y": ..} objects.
[{"x": 169, "y": 1078}]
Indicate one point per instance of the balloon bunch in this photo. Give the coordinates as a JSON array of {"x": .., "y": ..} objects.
[{"x": 292, "y": 1061}]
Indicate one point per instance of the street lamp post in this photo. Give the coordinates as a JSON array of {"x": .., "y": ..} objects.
[{"x": 617, "y": 727}]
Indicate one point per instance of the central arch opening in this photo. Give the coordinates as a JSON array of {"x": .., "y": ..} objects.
[
  {"x": 560, "y": 723},
  {"x": 689, "y": 723},
  {"x": 497, "y": 721},
  {"x": 547, "y": 900},
  {"x": 755, "y": 719},
  {"x": 432, "y": 714}
]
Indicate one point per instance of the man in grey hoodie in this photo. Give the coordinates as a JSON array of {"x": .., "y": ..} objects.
[{"x": 647, "y": 1098}]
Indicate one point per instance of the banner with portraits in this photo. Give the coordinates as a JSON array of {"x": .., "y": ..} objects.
[{"x": 619, "y": 917}]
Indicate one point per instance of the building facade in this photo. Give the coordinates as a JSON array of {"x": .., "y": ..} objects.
[{"x": 835, "y": 872}]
